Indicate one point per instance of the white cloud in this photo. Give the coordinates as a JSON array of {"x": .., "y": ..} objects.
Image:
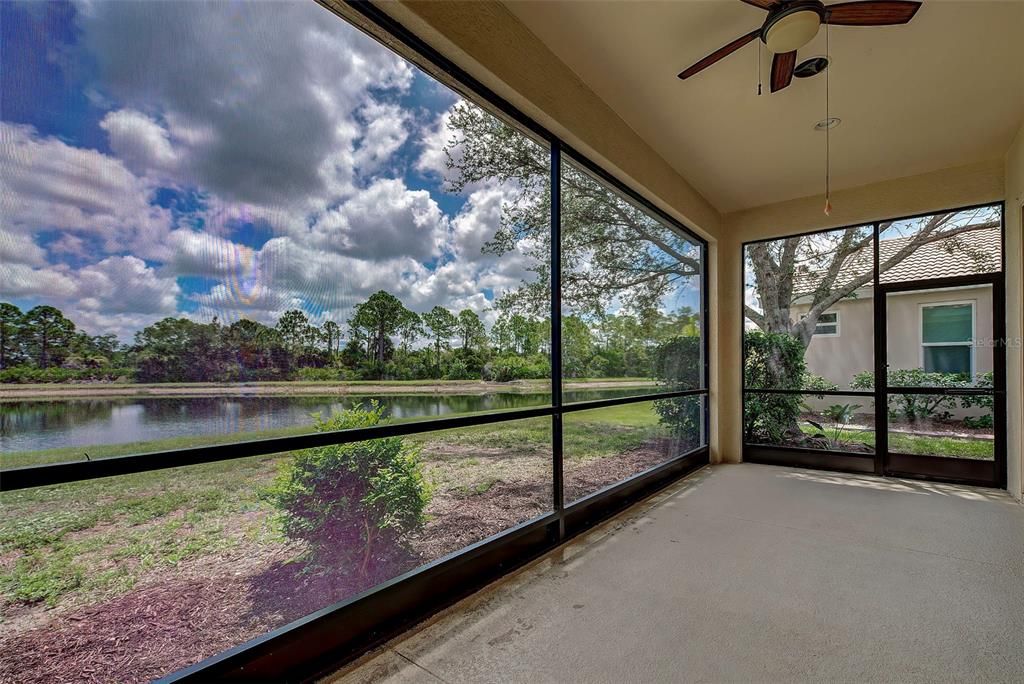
[
  {"x": 258, "y": 105},
  {"x": 383, "y": 221},
  {"x": 384, "y": 131},
  {"x": 119, "y": 294},
  {"x": 205, "y": 254},
  {"x": 289, "y": 274},
  {"x": 125, "y": 284},
  {"x": 478, "y": 221},
  {"x": 69, "y": 244},
  {"x": 21, "y": 280},
  {"x": 48, "y": 184},
  {"x": 139, "y": 141},
  {"x": 20, "y": 249},
  {"x": 433, "y": 159}
]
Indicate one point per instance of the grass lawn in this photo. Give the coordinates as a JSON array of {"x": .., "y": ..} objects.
[
  {"x": 82, "y": 542},
  {"x": 925, "y": 445}
]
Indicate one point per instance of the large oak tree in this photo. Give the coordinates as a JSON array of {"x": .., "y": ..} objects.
[{"x": 614, "y": 251}]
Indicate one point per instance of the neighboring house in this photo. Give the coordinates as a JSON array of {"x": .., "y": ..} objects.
[{"x": 947, "y": 330}]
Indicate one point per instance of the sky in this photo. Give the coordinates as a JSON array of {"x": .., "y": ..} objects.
[{"x": 228, "y": 159}]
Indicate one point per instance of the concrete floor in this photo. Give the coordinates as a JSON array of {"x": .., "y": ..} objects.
[{"x": 747, "y": 573}]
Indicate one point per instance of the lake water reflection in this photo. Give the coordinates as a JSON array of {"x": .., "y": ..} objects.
[{"x": 50, "y": 424}]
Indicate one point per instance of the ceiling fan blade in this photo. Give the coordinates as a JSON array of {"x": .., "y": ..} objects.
[
  {"x": 719, "y": 54},
  {"x": 871, "y": 13},
  {"x": 762, "y": 4},
  {"x": 782, "y": 69}
]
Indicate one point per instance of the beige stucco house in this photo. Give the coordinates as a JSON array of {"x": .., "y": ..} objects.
[{"x": 945, "y": 330}]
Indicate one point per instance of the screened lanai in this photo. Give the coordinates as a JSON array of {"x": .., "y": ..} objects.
[{"x": 510, "y": 341}]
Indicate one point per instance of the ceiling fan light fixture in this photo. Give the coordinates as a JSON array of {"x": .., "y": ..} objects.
[{"x": 792, "y": 29}]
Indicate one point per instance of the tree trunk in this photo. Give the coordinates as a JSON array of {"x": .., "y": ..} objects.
[
  {"x": 364, "y": 566},
  {"x": 44, "y": 359}
]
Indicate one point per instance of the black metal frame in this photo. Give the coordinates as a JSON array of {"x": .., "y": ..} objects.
[
  {"x": 882, "y": 462},
  {"x": 317, "y": 643}
]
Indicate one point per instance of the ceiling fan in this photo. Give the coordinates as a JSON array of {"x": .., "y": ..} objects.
[{"x": 791, "y": 24}]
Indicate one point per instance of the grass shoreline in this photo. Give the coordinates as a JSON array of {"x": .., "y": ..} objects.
[{"x": 13, "y": 392}]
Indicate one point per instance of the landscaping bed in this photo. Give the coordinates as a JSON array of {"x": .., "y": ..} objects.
[{"x": 934, "y": 437}]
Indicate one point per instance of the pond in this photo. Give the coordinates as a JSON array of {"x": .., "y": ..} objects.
[{"x": 52, "y": 424}]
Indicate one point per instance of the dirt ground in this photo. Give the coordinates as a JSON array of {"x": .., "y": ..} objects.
[{"x": 205, "y": 606}]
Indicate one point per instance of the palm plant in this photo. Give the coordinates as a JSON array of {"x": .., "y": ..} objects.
[{"x": 839, "y": 416}]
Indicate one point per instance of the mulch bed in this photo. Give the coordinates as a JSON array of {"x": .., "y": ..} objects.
[
  {"x": 136, "y": 637},
  {"x": 164, "y": 626},
  {"x": 588, "y": 477}
]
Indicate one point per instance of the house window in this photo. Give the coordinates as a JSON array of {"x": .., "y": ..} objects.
[
  {"x": 947, "y": 337},
  {"x": 827, "y": 325}
]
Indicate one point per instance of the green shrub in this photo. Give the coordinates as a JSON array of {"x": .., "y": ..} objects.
[
  {"x": 677, "y": 363},
  {"x": 981, "y": 381},
  {"x": 354, "y": 505},
  {"x": 984, "y": 422},
  {"x": 839, "y": 416},
  {"x": 25, "y": 374},
  {"x": 508, "y": 368},
  {"x": 816, "y": 383},
  {"x": 458, "y": 370},
  {"x": 320, "y": 374},
  {"x": 771, "y": 361},
  {"x": 914, "y": 407},
  {"x": 677, "y": 366}
]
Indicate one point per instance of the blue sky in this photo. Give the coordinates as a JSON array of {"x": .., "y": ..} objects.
[
  {"x": 228, "y": 159},
  {"x": 232, "y": 159}
]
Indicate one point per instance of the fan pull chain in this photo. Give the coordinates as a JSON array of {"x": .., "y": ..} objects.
[
  {"x": 758, "y": 53},
  {"x": 828, "y": 129}
]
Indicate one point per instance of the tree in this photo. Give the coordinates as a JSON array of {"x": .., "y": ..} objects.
[
  {"x": 501, "y": 335},
  {"x": 611, "y": 249},
  {"x": 331, "y": 332},
  {"x": 181, "y": 350},
  {"x": 525, "y": 333},
  {"x": 471, "y": 329},
  {"x": 10, "y": 335},
  {"x": 833, "y": 266},
  {"x": 47, "y": 335},
  {"x": 382, "y": 315},
  {"x": 294, "y": 328},
  {"x": 410, "y": 329},
  {"x": 255, "y": 346},
  {"x": 105, "y": 345},
  {"x": 577, "y": 347},
  {"x": 442, "y": 326}
]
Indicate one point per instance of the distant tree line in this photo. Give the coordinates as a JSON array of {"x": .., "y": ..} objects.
[{"x": 382, "y": 340}]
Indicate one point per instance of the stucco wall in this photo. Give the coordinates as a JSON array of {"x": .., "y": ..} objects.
[
  {"x": 1014, "y": 193},
  {"x": 903, "y": 315},
  {"x": 838, "y": 359}
]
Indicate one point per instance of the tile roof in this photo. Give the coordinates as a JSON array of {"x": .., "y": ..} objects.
[{"x": 969, "y": 253}]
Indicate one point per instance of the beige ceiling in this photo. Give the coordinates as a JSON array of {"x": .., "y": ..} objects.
[{"x": 945, "y": 90}]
